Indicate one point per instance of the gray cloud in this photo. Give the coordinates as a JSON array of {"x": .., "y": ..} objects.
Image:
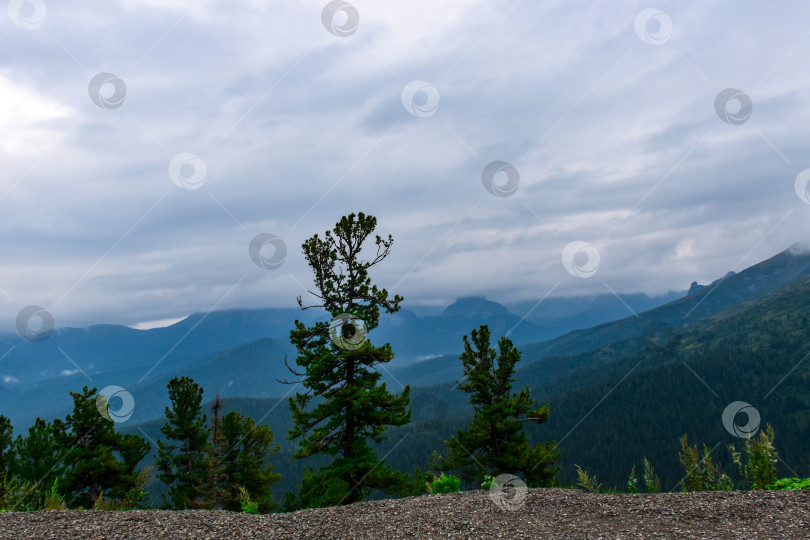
[{"x": 616, "y": 141}]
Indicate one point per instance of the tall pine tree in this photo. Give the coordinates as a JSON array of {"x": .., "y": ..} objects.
[
  {"x": 183, "y": 459},
  {"x": 214, "y": 488},
  {"x": 99, "y": 459},
  {"x": 495, "y": 442},
  {"x": 352, "y": 407},
  {"x": 244, "y": 449}
]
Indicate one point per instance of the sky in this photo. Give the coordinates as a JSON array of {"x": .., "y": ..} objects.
[{"x": 514, "y": 149}]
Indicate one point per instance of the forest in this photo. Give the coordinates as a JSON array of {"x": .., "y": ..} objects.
[{"x": 352, "y": 438}]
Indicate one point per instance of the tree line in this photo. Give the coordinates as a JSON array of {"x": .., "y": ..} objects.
[{"x": 224, "y": 462}]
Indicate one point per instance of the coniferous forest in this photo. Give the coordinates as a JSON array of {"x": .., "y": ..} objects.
[{"x": 648, "y": 412}]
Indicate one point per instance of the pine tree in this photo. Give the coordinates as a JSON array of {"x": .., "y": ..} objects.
[
  {"x": 353, "y": 407},
  {"x": 495, "y": 442},
  {"x": 214, "y": 489},
  {"x": 38, "y": 457},
  {"x": 98, "y": 459},
  {"x": 183, "y": 460},
  {"x": 6, "y": 447},
  {"x": 245, "y": 448}
]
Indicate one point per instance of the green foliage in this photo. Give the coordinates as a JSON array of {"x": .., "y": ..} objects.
[
  {"x": 214, "y": 483},
  {"x": 353, "y": 407},
  {"x": 247, "y": 504},
  {"x": 488, "y": 481},
  {"x": 701, "y": 472},
  {"x": 651, "y": 480},
  {"x": 632, "y": 481},
  {"x": 17, "y": 494},
  {"x": 244, "y": 449},
  {"x": 495, "y": 439},
  {"x": 98, "y": 458},
  {"x": 39, "y": 457},
  {"x": 444, "y": 484},
  {"x": 760, "y": 466},
  {"x": 183, "y": 460},
  {"x": 135, "y": 496},
  {"x": 53, "y": 499},
  {"x": 765, "y": 339},
  {"x": 790, "y": 483},
  {"x": 587, "y": 482},
  {"x": 6, "y": 449}
]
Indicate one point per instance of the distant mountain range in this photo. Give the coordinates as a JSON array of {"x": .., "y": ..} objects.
[
  {"x": 645, "y": 381},
  {"x": 241, "y": 352},
  {"x": 726, "y": 293}
]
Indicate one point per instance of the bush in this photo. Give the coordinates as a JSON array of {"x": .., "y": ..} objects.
[
  {"x": 444, "y": 484},
  {"x": 17, "y": 495},
  {"x": 701, "y": 473},
  {"x": 586, "y": 482},
  {"x": 132, "y": 499},
  {"x": 632, "y": 482},
  {"x": 651, "y": 480},
  {"x": 53, "y": 499},
  {"x": 135, "y": 496},
  {"x": 760, "y": 468},
  {"x": 248, "y": 505},
  {"x": 790, "y": 483},
  {"x": 488, "y": 481}
]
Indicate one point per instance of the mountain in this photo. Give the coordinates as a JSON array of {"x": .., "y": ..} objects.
[
  {"x": 723, "y": 294},
  {"x": 681, "y": 381},
  {"x": 730, "y": 291},
  {"x": 105, "y": 348},
  {"x": 564, "y": 314},
  {"x": 695, "y": 286},
  {"x": 630, "y": 400},
  {"x": 630, "y": 384},
  {"x": 235, "y": 352},
  {"x": 250, "y": 369}
]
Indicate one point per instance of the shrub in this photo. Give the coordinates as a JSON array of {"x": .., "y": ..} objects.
[
  {"x": 760, "y": 468},
  {"x": 53, "y": 499},
  {"x": 135, "y": 496},
  {"x": 586, "y": 482},
  {"x": 701, "y": 473},
  {"x": 632, "y": 481},
  {"x": 17, "y": 495},
  {"x": 790, "y": 483},
  {"x": 248, "y": 505},
  {"x": 651, "y": 480},
  {"x": 132, "y": 499},
  {"x": 444, "y": 484},
  {"x": 488, "y": 481}
]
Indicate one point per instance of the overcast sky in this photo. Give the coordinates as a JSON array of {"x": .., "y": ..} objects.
[{"x": 134, "y": 196}]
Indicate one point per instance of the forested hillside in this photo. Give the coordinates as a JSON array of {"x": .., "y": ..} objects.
[{"x": 614, "y": 406}]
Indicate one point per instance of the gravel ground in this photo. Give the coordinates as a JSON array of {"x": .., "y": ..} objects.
[{"x": 545, "y": 513}]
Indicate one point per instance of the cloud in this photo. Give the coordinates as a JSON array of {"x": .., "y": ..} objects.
[{"x": 617, "y": 143}]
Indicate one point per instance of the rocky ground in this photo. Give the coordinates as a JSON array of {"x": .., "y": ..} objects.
[{"x": 536, "y": 513}]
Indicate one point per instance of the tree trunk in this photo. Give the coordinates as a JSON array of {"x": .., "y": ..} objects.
[{"x": 348, "y": 434}]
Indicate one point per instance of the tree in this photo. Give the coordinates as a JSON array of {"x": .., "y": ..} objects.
[
  {"x": 98, "y": 459},
  {"x": 353, "y": 407},
  {"x": 39, "y": 456},
  {"x": 183, "y": 461},
  {"x": 244, "y": 449},
  {"x": 6, "y": 448},
  {"x": 495, "y": 442},
  {"x": 215, "y": 491}
]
